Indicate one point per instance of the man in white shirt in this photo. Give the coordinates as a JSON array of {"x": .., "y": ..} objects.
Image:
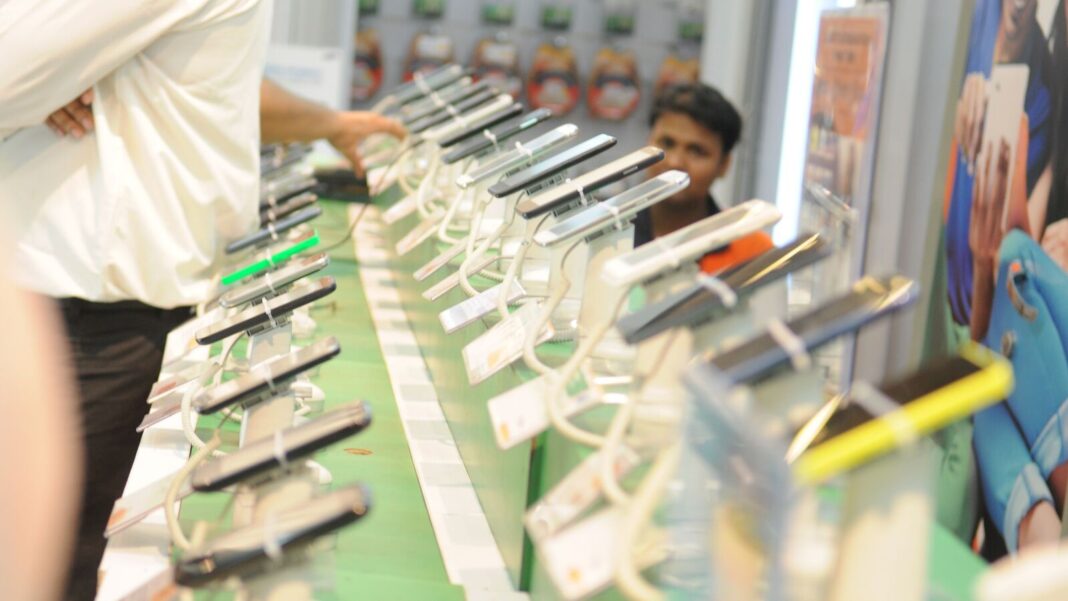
[{"x": 125, "y": 225}]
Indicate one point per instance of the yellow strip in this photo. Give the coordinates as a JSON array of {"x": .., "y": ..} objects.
[{"x": 926, "y": 414}]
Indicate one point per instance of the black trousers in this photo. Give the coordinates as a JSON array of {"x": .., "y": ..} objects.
[{"x": 117, "y": 350}]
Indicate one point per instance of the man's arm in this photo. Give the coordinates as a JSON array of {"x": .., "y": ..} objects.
[
  {"x": 54, "y": 51},
  {"x": 285, "y": 117}
]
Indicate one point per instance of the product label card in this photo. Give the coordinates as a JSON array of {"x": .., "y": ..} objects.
[
  {"x": 419, "y": 234},
  {"x": 403, "y": 207},
  {"x": 441, "y": 260},
  {"x": 502, "y": 344},
  {"x": 576, "y": 493},
  {"x": 478, "y": 306},
  {"x": 453, "y": 280},
  {"x": 582, "y": 559},
  {"x": 136, "y": 506},
  {"x": 520, "y": 414}
]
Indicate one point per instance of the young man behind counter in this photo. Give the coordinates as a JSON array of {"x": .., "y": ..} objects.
[{"x": 697, "y": 128}]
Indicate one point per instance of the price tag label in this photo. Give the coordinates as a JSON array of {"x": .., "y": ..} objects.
[
  {"x": 502, "y": 344},
  {"x": 419, "y": 234},
  {"x": 401, "y": 209},
  {"x": 136, "y": 506},
  {"x": 478, "y": 306},
  {"x": 441, "y": 260},
  {"x": 582, "y": 559},
  {"x": 453, "y": 280},
  {"x": 520, "y": 414},
  {"x": 576, "y": 493}
]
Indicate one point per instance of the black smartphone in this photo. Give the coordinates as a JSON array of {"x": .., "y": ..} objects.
[
  {"x": 273, "y": 230},
  {"x": 291, "y": 205},
  {"x": 479, "y": 125},
  {"x": 870, "y": 299},
  {"x": 700, "y": 303},
  {"x": 259, "y": 314},
  {"x": 559, "y": 196},
  {"x": 435, "y": 80},
  {"x": 276, "y": 192},
  {"x": 445, "y": 99},
  {"x": 478, "y": 144},
  {"x": 244, "y": 551},
  {"x": 272, "y": 281},
  {"x": 264, "y": 378},
  {"x": 552, "y": 165},
  {"x": 292, "y": 444},
  {"x": 464, "y": 106}
]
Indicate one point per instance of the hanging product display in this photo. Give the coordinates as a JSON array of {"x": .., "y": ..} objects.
[
  {"x": 366, "y": 66},
  {"x": 676, "y": 70},
  {"x": 553, "y": 82},
  {"x": 614, "y": 90},
  {"x": 496, "y": 61},
  {"x": 428, "y": 51}
]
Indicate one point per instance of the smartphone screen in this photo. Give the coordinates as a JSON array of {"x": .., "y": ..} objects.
[
  {"x": 502, "y": 132},
  {"x": 553, "y": 165},
  {"x": 260, "y": 380},
  {"x": 298, "y": 296},
  {"x": 272, "y": 232},
  {"x": 272, "y": 280},
  {"x": 481, "y": 124}
]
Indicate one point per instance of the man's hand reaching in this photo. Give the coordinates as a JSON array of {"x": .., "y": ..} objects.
[
  {"x": 353, "y": 127},
  {"x": 74, "y": 119}
]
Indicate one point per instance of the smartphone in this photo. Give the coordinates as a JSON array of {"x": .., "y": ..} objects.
[
  {"x": 256, "y": 315},
  {"x": 292, "y": 444},
  {"x": 698, "y": 304},
  {"x": 286, "y": 185},
  {"x": 870, "y": 299},
  {"x": 479, "y": 125},
  {"x": 271, "y": 281},
  {"x": 479, "y": 144},
  {"x": 452, "y": 126},
  {"x": 685, "y": 246},
  {"x": 291, "y": 205},
  {"x": 435, "y": 80},
  {"x": 301, "y": 244},
  {"x": 520, "y": 156},
  {"x": 464, "y": 106},
  {"x": 559, "y": 196},
  {"x": 244, "y": 551},
  {"x": 618, "y": 210},
  {"x": 277, "y": 158},
  {"x": 939, "y": 394},
  {"x": 426, "y": 105},
  {"x": 553, "y": 165},
  {"x": 263, "y": 378},
  {"x": 451, "y": 96},
  {"x": 273, "y": 230}
]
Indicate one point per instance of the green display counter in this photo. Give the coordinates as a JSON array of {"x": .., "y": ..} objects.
[{"x": 507, "y": 481}]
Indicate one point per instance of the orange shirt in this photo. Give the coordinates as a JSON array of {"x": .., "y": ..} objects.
[{"x": 739, "y": 251}]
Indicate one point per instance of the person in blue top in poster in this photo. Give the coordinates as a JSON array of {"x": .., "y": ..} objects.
[
  {"x": 1003, "y": 32},
  {"x": 1010, "y": 290}
]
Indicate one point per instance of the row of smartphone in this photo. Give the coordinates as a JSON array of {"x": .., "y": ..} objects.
[
  {"x": 272, "y": 277},
  {"x": 708, "y": 386}
]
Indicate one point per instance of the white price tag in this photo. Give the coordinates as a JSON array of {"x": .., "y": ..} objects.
[
  {"x": 520, "y": 414},
  {"x": 581, "y": 560},
  {"x": 477, "y": 307},
  {"x": 502, "y": 344},
  {"x": 401, "y": 209},
  {"x": 576, "y": 493},
  {"x": 136, "y": 506},
  {"x": 440, "y": 261},
  {"x": 453, "y": 279},
  {"x": 419, "y": 234}
]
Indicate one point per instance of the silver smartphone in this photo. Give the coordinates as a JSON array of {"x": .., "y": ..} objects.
[{"x": 272, "y": 281}]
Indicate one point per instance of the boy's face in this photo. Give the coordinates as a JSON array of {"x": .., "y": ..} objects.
[
  {"x": 689, "y": 147},
  {"x": 1017, "y": 20}
]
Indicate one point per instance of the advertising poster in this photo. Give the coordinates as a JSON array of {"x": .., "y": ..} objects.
[
  {"x": 846, "y": 90},
  {"x": 1001, "y": 275}
]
